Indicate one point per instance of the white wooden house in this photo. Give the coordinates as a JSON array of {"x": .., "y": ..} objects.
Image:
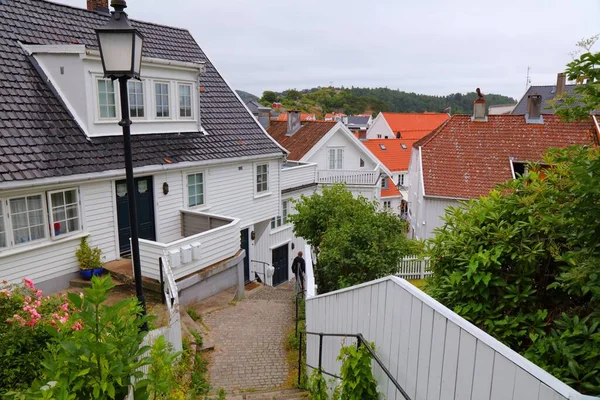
[
  {"x": 469, "y": 155},
  {"x": 207, "y": 174}
]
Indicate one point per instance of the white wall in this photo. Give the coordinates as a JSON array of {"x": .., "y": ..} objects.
[
  {"x": 380, "y": 127},
  {"x": 433, "y": 353},
  {"x": 293, "y": 177},
  {"x": 353, "y": 152}
]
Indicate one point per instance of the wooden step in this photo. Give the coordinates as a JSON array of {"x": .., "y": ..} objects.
[
  {"x": 122, "y": 270},
  {"x": 282, "y": 394}
]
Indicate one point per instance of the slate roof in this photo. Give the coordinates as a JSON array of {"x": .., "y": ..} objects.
[
  {"x": 466, "y": 159},
  {"x": 414, "y": 125},
  {"x": 358, "y": 121},
  {"x": 38, "y": 137},
  {"x": 547, "y": 93},
  {"x": 303, "y": 139},
  {"x": 393, "y": 155}
]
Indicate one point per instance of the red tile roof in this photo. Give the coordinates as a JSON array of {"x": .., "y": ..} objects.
[
  {"x": 391, "y": 190},
  {"x": 392, "y": 154},
  {"x": 303, "y": 140},
  {"x": 466, "y": 159},
  {"x": 303, "y": 117},
  {"x": 414, "y": 125}
]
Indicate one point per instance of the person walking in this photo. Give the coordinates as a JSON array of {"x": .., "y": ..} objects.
[{"x": 299, "y": 269}]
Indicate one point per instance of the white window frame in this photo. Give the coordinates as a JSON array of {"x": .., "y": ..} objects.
[
  {"x": 264, "y": 191},
  {"x": 387, "y": 204},
  {"x": 384, "y": 183},
  {"x": 281, "y": 220},
  {"x": 51, "y": 212},
  {"x": 170, "y": 103},
  {"x": 144, "y": 105},
  {"x": 337, "y": 161},
  {"x": 44, "y": 224},
  {"x": 361, "y": 163},
  {"x": 187, "y": 190},
  {"x": 99, "y": 116},
  {"x": 191, "y": 86},
  {"x": 6, "y": 227}
]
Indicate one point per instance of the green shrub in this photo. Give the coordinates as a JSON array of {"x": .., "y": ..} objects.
[
  {"x": 88, "y": 257},
  {"x": 358, "y": 382}
]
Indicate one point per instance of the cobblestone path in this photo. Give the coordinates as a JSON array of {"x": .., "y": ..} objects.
[{"x": 250, "y": 340}]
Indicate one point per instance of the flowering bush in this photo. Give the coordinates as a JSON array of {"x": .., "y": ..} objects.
[{"x": 24, "y": 315}]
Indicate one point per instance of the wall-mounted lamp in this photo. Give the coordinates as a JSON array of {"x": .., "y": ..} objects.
[
  {"x": 252, "y": 235},
  {"x": 165, "y": 188},
  {"x": 293, "y": 246}
]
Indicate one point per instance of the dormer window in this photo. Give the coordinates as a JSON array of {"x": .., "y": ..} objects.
[
  {"x": 136, "y": 99},
  {"x": 185, "y": 101},
  {"x": 161, "y": 90},
  {"x": 107, "y": 99}
]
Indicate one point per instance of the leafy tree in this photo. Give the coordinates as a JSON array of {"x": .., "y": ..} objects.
[
  {"x": 354, "y": 242},
  {"x": 524, "y": 265},
  {"x": 269, "y": 97},
  {"x": 293, "y": 94}
]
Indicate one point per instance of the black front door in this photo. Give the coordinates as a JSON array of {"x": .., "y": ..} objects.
[
  {"x": 145, "y": 212},
  {"x": 280, "y": 263},
  {"x": 246, "y": 248}
]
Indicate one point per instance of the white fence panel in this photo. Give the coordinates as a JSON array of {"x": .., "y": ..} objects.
[
  {"x": 432, "y": 352},
  {"x": 412, "y": 267}
]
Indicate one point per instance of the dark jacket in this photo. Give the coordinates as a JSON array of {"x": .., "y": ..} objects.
[{"x": 298, "y": 262}]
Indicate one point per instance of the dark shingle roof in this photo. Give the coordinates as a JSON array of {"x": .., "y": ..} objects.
[
  {"x": 39, "y": 138},
  {"x": 358, "y": 121},
  {"x": 547, "y": 93},
  {"x": 303, "y": 140}
]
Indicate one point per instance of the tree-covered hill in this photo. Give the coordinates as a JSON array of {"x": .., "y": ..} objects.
[{"x": 358, "y": 100}]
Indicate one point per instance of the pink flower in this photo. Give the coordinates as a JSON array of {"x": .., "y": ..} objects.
[
  {"x": 9, "y": 321},
  {"x": 28, "y": 299},
  {"x": 55, "y": 316},
  {"x": 29, "y": 283},
  {"x": 65, "y": 307},
  {"x": 6, "y": 292},
  {"x": 77, "y": 326},
  {"x": 37, "y": 303},
  {"x": 39, "y": 293}
]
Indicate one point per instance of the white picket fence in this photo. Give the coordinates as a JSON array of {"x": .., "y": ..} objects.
[
  {"x": 171, "y": 332},
  {"x": 412, "y": 267}
]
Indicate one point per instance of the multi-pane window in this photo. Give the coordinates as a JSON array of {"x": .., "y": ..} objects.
[
  {"x": 401, "y": 179},
  {"x": 384, "y": 183},
  {"x": 185, "y": 101},
  {"x": 136, "y": 99},
  {"x": 64, "y": 212},
  {"x": 281, "y": 219},
  {"x": 336, "y": 157},
  {"x": 107, "y": 98},
  {"x": 2, "y": 227},
  {"x": 27, "y": 217},
  {"x": 195, "y": 184},
  {"x": 162, "y": 99},
  {"x": 262, "y": 178},
  {"x": 387, "y": 204}
]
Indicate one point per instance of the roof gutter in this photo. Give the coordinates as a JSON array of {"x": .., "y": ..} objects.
[
  {"x": 421, "y": 170},
  {"x": 112, "y": 174}
]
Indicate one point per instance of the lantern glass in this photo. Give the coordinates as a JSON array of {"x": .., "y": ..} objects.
[
  {"x": 117, "y": 51},
  {"x": 137, "y": 53}
]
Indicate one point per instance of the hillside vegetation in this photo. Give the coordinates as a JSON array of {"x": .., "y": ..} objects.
[{"x": 373, "y": 100}]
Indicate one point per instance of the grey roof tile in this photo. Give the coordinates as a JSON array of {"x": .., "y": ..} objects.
[
  {"x": 547, "y": 93},
  {"x": 34, "y": 122}
]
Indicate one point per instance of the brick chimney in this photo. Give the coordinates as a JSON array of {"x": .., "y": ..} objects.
[
  {"x": 560, "y": 84},
  {"x": 98, "y": 5},
  {"x": 293, "y": 122},
  {"x": 479, "y": 110},
  {"x": 534, "y": 108}
]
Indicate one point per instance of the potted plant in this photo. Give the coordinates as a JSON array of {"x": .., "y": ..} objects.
[{"x": 90, "y": 260}]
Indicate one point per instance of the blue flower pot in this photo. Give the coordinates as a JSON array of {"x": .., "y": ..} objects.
[
  {"x": 98, "y": 271},
  {"x": 86, "y": 274}
]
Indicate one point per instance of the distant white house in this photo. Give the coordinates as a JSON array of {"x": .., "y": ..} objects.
[
  {"x": 413, "y": 126},
  {"x": 469, "y": 155}
]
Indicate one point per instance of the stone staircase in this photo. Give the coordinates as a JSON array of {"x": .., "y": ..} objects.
[{"x": 282, "y": 394}]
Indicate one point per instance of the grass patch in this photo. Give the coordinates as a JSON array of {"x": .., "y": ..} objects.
[
  {"x": 194, "y": 315},
  {"x": 419, "y": 283}
]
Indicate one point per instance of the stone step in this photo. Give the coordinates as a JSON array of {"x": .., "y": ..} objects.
[
  {"x": 283, "y": 394},
  {"x": 122, "y": 270},
  {"x": 83, "y": 283}
]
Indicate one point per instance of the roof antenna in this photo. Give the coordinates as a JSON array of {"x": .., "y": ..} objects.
[{"x": 528, "y": 80}]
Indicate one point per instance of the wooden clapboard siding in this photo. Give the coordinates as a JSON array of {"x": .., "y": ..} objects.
[
  {"x": 168, "y": 219},
  {"x": 294, "y": 175},
  {"x": 432, "y": 352}
]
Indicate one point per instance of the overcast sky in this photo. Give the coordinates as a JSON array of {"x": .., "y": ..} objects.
[{"x": 424, "y": 46}]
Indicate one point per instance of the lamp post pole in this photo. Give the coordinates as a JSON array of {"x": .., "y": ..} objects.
[{"x": 125, "y": 123}]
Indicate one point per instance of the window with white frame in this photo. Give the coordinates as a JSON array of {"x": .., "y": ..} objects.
[
  {"x": 336, "y": 158},
  {"x": 107, "y": 99},
  {"x": 401, "y": 179},
  {"x": 2, "y": 227},
  {"x": 136, "y": 99},
  {"x": 64, "y": 212},
  {"x": 262, "y": 178},
  {"x": 161, "y": 90},
  {"x": 387, "y": 204},
  {"x": 27, "y": 218},
  {"x": 384, "y": 183},
  {"x": 281, "y": 219},
  {"x": 362, "y": 163},
  {"x": 195, "y": 185},
  {"x": 185, "y": 101}
]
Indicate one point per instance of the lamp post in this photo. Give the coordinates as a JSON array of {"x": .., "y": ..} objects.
[{"x": 121, "y": 53}]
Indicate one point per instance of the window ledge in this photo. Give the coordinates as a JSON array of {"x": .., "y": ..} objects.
[
  {"x": 259, "y": 195},
  {"x": 40, "y": 245},
  {"x": 281, "y": 228},
  {"x": 199, "y": 208}
]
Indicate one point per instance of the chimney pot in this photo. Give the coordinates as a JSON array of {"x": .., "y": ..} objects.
[
  {"x": 560, "y": 84},
  {"x": 479, "y": 110},
  {"x": 98, "y": 5},
  {"x": 534, "y": 108},
  {"x": 293, "y": 122}
]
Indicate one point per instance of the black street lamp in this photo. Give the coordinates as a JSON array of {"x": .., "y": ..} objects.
[{"x": 121, "y": 53}]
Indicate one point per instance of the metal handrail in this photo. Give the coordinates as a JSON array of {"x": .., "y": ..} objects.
[
  {"x": 264, "y": 273},
  {"x": 360, "y": 341}
]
